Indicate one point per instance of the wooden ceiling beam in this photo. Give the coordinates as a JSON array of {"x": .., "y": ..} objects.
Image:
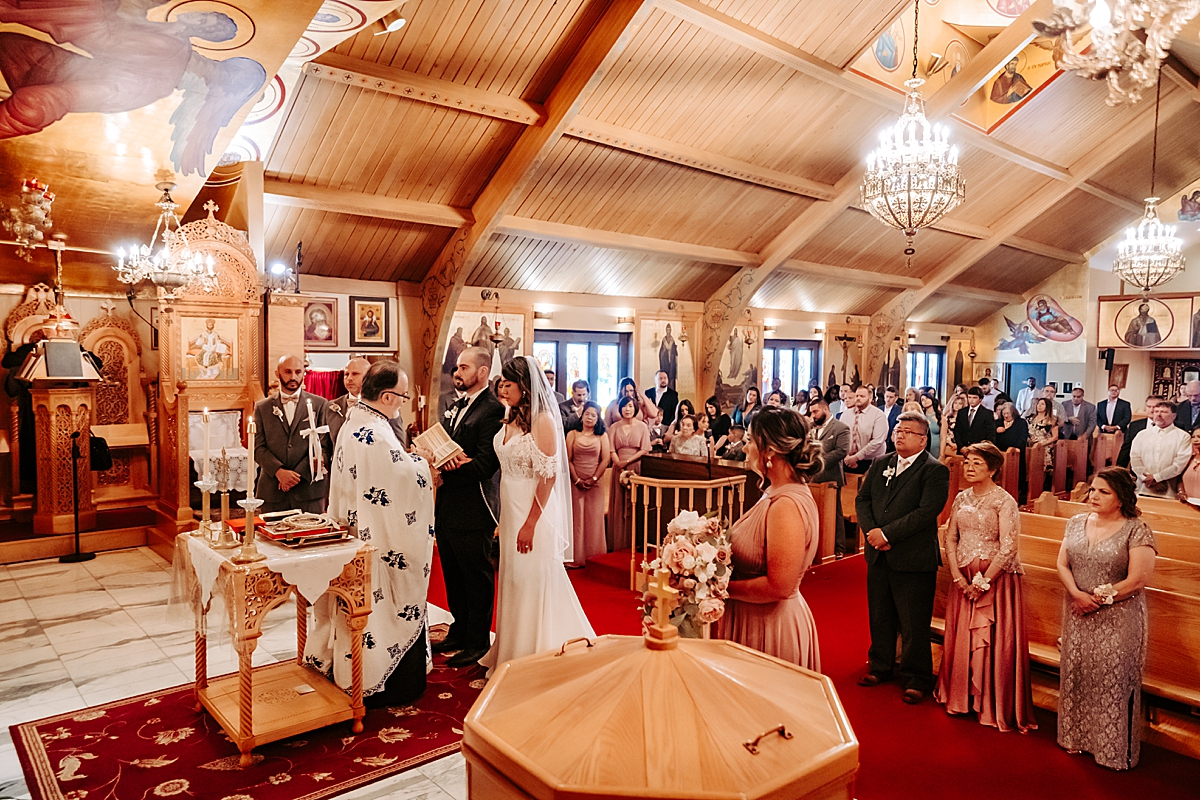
[
  {"x": 1118, "y": 200},
  {"x": 604, "y": 44},
  {"x": 335, "y": 67},
  {"x": 338, "y": 201},
  {"x": 849, "y": 275},
  {"x": 1049, "y": 251},
  {"x": 644, "y": 144},
  {"x": 986, "y": 295}
]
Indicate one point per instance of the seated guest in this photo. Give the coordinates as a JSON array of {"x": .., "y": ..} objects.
[
  {"x": 734, "y": 449},
  {"x": 750, "y": 406},
  {"x": 1114, "y": 414},
  {"x": 718, "y": 423},
  {"x": 777, "y": 398},
  {"x": 1136, "y": 427},
  {"x": 1160, "y": 453},
  {"x": 774, "y": 542},
  {"x": 1106, "y": 559},
  {"x": 684, "y": 409},
  {"x": 985, "y": 666},
  {"x": 1043, "y": 430},
  {"x": 932, "y": 410},
  {"x": 588, "y": 454},
  {"x": 1013, "y": 432},
  {"x": 629, "y": 439},
  {"x": 687, "y": 442},
  {"x": 1189, "y": 481},
  {"x": 572, "y": 407},
  {"x": 385, "y": 495},
  {"x": 975, "y": 423}
]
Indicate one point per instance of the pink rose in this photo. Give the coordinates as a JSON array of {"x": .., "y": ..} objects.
[
  {"x": 723, "y": 554},
  {"x": 710, "y": 609},
  {"x": 679, "y": 555},
  {"x": 689, "y": 583}
]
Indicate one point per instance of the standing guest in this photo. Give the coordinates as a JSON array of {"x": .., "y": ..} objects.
[
  {"x": 588, "y": 454},
  {"x": 282, "y": 451},
  {"x": 1080, "y": 419},
  {"x": 1189, "y": 481},
  {"x": 975, "y": 423},
  {"x": 1160, "y": 453},
  {"x": 468, "y": 508},
  {"x": 774, "y": 543},
  {"x": 834, "y": 438},
  {"x": 891, "y": 410},
  {"x": 629, "y": 438},
  {"x": 735, "y": 448},
  {"x": 989, "y": 393},
  {"x": 985, "y": 668},
  {"x": 573, "y": 406},
  {"x": 718, "y": 423},
  {"x": 552, "y": 381},
  {"x": 959, "y": 388},
  {"x": 658, "y": 432},
  {"x": 949, "y": 419},
  {"x": 1114, "y": 414},
  {"x": 1136, "y": 427},
  {"x": 1187, "y": 412},
  {"x": 845, "y": 401},
  {"x": 372, "y": 480},
  {"x": 627, "y": 388},
  {"x": 684, "y": 409},
  {"x": 1013, "y": 432},
  {"x": 687, "y": 442},
  {"x": 898, "y": 506},
  {"x": 868, "y": 432},
  {"x": 1026, "y": 396},
  {"x": 932, "y": 410},
  {"x": 337, "y": 410},
  {"x": 1049, "y": 393},
  {"x": 1106, "y": 559},
  {"x": 750, "y": 406},
  {"x": 1043, "y": 430},
  {"x": 662, "y": 396}
]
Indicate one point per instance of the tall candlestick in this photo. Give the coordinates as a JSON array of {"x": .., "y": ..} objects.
[
  {"x": 250, "y": 465},
  {"x": 207, "y": 442}
]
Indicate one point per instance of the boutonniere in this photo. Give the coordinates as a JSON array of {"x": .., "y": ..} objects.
[
  {"x": 336, "y": 408},
  {"x": 889, "y": 473},
  {"x": 449, "y": 413},
  {"x": 277, "y": 411}
]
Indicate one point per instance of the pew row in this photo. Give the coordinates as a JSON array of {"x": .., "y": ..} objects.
[{"x": 1161, "y": 514}]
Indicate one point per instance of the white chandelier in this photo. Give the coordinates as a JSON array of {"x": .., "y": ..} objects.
[
  {"x": 913, "y": 181},
  {"x": 1117, "y": 53},
  {"x": 29, "y": 221},
  {"x": 175, "y": 266}
]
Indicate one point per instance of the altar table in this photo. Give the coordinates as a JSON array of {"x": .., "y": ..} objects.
[{"x": 258, "y": 705}]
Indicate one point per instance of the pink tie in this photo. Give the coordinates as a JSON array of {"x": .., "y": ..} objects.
[{"x": 854, "y": 432}]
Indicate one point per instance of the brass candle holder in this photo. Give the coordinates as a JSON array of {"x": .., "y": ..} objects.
[
  {"x": 207, "y": 485},
  {"x": 249, "y": 553},
  {"x": 225, "y": 538}
]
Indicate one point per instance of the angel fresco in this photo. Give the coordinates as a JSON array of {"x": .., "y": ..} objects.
[
  {"x": 107, "y": 57},
  {"x": 1022, "y": 337}
]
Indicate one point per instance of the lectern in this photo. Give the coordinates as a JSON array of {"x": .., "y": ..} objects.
[{"x": 63, "y": 388}]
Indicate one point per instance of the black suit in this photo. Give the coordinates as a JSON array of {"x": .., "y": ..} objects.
[
  {"x": 1122, "y": 415},
  {"x": 337, "y": 410},
  {"x": 567, "y": 409},
  {"x": 1187, "y": 416},
  {"x": 892, "y": 414},
  {"x": 668, "y": 403},
  {"x": 465, "y": 519},
  {"x": 281, "y": 445},
  {"x": 1135, "y": 427},
  {"x": 983, "y": 429},
  {"x": 902, "y": 581}
]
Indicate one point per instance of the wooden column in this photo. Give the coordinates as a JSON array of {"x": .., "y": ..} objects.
[{"x": 58, "y": 412}]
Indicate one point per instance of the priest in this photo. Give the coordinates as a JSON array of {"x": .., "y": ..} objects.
[{"x": 385, "y": 495}]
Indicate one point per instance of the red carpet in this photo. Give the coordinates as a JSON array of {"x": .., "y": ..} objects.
[{"x": 157, "y": 745}]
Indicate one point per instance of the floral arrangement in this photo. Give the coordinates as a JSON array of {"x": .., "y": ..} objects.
[{"x": 696, "y": 554}]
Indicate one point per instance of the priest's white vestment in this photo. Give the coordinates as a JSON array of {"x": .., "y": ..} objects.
[{"x": 385, "y": 495}]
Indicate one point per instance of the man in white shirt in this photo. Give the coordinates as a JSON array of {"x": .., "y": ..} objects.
[
  {"x": 1160, "y": 453},
  {"x": 1026, "y": 396},
  {"x": 868, "y": 432},
  {"x": 989, "y": 394}
]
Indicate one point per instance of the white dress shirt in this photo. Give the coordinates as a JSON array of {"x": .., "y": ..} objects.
[
  {"x": 989, "y": 399},
  {"x": 290, "y": 401},
  {"x": 872, "y": 432},
  {"x": 1025, "y": 400},
  {"x": 463, "y": 411},
  {"x": 1161, "y": 453},
  {"x": 904, "y": 463}
]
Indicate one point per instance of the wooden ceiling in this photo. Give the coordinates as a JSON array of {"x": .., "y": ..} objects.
[{"x": 728, "y": 134}]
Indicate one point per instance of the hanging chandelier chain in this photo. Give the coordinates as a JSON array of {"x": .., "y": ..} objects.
[
  {"x": 1154, "y": 150},
  {"x": 916, "y": 32}
]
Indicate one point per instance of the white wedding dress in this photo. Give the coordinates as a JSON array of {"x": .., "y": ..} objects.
[{"x": 536, "y": 606}]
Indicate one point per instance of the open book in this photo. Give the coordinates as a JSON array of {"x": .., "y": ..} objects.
[{"x": 438, "y": 445}]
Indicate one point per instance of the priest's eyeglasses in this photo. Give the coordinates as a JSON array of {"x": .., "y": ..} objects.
[{"x": 402, "y": 395}]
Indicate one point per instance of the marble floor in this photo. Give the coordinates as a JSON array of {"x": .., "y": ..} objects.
[{"x": 77, "y": 635}]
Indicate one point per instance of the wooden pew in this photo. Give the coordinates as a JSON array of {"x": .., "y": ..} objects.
[
  {"x": 1163, "y": 516},
  {"x": 1106, "y": 449},
  {"x": 1035, "y": 469},
  {"x": 825, "y": 495},
  {"x": 1070, "y": 456}
]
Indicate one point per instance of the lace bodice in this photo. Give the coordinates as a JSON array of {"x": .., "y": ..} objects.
[
  {"x": 985, "y": 527},
  {"x": 521, "y": 458}
]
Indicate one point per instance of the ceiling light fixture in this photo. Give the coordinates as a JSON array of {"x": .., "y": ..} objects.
[
  {"x": 1151, "y": 254},
  {"x": 912, "y": 182},
  {"x": 173, "y": 267},
  {"x": 390, "y": 23},
  {"x": 30, "y": 219}
]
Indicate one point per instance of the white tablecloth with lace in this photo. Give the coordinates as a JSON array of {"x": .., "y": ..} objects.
[{"x": 239, "y": 465}]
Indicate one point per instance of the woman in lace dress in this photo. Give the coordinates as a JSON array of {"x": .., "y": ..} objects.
[
  {"x": 536, "y": 606},
  {"x": 687, "y": 442},
  {"x": 985, "y": 661},
  {"x": 1106, "y": 559},
  {"x": 774, "y": 543}
]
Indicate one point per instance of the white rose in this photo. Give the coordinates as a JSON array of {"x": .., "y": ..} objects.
[
  {"x": 689, "y": 563},
  {"x": 683, "y": 523},
  {"x": 706, "y": 553}
]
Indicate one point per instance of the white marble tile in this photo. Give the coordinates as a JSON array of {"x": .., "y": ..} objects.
[
  {"x": 58, "y": 700},
  {"x": 14, "y": 609},
  {"x": 450, "y": 774},
  {"x": 155, "y": 558},
  {"x": 88, "y": 631},
  {"x": 70, "y": 605},
  {"x": 115, "y": 561},
  {"x": 94, "y": 663},
  {"x": 9, "y": 590},
  {"x": 156, "y": 620},
  {"x": 55, "y": 584},
  {"x": 149, "y": 595},
  {"x": 130, "y": 682},
  {"x": 410, "y": 785},
  {"x": 44, "y": 568}
]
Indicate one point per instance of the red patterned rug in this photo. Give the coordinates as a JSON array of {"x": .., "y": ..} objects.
[{"x": 155, "y": 745}]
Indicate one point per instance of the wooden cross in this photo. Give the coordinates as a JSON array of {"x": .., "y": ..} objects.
[{"x": 663, "y": 592}]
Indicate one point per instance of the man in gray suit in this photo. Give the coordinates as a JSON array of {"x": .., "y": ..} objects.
[
  {"x": 285, "y": 478},
  {"x": 834, "y": 437},
  {"x": 338, "y": 409},
  {"x": 1080, "y": 419}
]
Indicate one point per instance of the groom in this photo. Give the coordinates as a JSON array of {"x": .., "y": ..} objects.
[
  {"x": 898, "y": 506},
  {"x": 468, "y": 508}
]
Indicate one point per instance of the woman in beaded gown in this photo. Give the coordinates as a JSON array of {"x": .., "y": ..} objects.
[
  {"x": 536, "y": 606},
  {"x": 1106, "y": 559},
  {"x": 985, "y": 661},
  {"x": 774, "y": 543}
]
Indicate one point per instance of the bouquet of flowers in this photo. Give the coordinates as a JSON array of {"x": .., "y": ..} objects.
[{"x": 696, "y": 553}]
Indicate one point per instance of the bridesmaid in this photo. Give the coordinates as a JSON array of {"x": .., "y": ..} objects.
[
  {"x": 588, "y": 454},
  {"x": 1106, "y": 559},
  {"x": 985, "y": 661},
  {"x": 775, "y": 542},
  {"x": 630, "y": 440}
]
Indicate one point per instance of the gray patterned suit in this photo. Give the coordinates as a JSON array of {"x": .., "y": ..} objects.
[{"x": 281, "y": 445}]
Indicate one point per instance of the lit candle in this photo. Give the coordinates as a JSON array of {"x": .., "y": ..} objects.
[
  {"x": 207, "y": 442},
  {"x": 250, "y": 446}
]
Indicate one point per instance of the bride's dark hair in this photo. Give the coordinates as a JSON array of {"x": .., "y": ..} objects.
[{"x": 517, "y": 371}]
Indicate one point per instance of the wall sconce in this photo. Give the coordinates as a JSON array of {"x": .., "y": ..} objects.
[
  {"x": 543, "y": 315},
  {"x": 769, "y": 330},
  {"x": 624, "y": 320}
]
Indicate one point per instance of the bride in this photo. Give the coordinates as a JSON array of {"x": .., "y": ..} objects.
[{"x": 536, "y": 606}]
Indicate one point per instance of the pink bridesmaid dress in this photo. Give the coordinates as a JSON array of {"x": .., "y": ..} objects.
[
  {"x": 587, "y": 504},
  {"x": 784, "y": 629}
]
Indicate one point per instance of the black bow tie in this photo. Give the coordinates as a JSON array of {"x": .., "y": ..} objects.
[{"x": 461, "y": 403}]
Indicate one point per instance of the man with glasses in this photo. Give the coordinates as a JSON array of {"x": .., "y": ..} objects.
[
  {"x": 338, "y": 409},
  {"x": 385, "y": 495},
  {"x": 282, "y": 450},
  {"x": 898, "y": 506}
]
